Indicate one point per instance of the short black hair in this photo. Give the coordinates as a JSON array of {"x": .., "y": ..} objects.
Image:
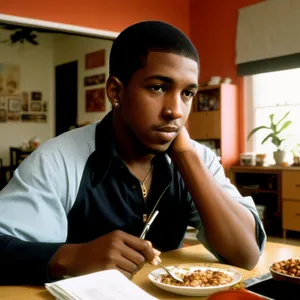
[{"x": 131, "y": 47}]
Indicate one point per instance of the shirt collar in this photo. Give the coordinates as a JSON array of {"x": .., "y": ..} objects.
[{"x": 106, "y": 151}]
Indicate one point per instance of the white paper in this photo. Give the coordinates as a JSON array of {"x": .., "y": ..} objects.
[{"x": 104, "y": 285}]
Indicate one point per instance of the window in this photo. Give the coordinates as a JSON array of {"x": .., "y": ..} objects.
[{"x": 267, "y": 93}]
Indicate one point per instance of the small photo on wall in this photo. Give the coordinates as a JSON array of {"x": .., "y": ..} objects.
[
  {"x": 3, "y": 116},
  {"x": 14, "y": 105},
  {"x": 35, "y": 106},
  {"x": 14, "y": 117},
  {"x": 2, "y": 102},
  {"x": 36, "y": 96},
  {"x": 25, "y": 101},
  {"x": 95, "y": 100},
  {"x": 95, "y": 59},
  {"x": 45, "y": 106},
  {"x": 10, "y": 79},
  {"x": 94, "y": 79},
  {"x": 37, "y": 118}
]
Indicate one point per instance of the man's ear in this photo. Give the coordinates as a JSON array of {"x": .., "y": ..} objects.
[{"x": 114, "y": 87}]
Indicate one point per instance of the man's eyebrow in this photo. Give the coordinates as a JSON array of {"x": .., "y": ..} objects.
[
  {"x": 193, "y": 86},
  {"x": 160, "y": 77},
  {"x": 169, "y": 80}
]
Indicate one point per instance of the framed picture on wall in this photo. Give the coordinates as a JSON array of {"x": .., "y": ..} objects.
[
  {"x": 36, "y": 106},
  {"x": 3, "y": 115},
  {"x": 95, "y": 100},
  {"x": 14, "y": 104},
  {"x": 36, "y": 96},
  {"x": 37, "y": 118},
  {"x": 2, "y": 102},
  {"x": 25, "y": 101},
  {"x": 95, "y": 59},
  {"x": 94, "y": 79}
]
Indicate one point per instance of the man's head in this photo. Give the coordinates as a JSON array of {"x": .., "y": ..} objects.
[
  {"x": 154, "y": 70},
  {"x": 132, "y": 46}
]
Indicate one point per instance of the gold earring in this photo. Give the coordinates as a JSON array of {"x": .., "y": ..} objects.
[{"x": 116, "y": 104}]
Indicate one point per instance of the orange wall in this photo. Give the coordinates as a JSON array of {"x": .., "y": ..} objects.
[
  {"x": 109, "y": 15},
  {"x": 211, "y": 24},
  {"x": 213, "y": 30}
]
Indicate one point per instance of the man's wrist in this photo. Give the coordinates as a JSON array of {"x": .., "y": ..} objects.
[
  {"x": 177, "y": 156},
  {"x": 60, "y": 264}
]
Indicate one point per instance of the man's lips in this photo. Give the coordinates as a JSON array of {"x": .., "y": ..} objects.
[
  {"x": 166, "y": 133},
  {"x": 167, "y": 128}
]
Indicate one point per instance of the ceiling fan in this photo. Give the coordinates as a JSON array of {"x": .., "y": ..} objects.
[{"x": 22, "y": 34}]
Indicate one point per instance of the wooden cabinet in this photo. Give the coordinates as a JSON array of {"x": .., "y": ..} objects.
[
  {"x": 281, "y": 185},
  {"x": 214, "y": 121},
  {"x": 205, "y": 125},
  {"x": 291, "y": 185},
  {"x": 290, "y": 200},
  {"x": 290, "y": 215}
]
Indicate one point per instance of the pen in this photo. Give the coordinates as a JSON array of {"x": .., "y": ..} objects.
[{"x": 148, "y": 224}]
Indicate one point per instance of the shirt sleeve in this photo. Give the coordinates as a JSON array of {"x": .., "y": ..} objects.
[
  {"x": 217, "y": 171},
  {"x": 33, "y": 222}
]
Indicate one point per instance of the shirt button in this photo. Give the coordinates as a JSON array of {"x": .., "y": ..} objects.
[{"x": 133, "y": 186}]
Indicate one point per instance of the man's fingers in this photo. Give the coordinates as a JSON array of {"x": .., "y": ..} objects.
[
  {"x": 139, "y": 245},
  {"x": 156, "y": 252},
  {"x": 126, "y": 265},
  {"x": 131, "y": 254}
]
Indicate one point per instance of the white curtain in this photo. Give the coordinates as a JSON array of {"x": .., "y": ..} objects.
[{"x": 267, "y": 30}]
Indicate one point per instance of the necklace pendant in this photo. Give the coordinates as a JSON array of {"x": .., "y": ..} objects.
[
  {"x": 145, "y": 218},
  {"x": 144, "y": 190}
]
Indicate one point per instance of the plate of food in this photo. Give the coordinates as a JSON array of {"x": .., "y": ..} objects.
[
  {"x": 198, "y": 280},
  {"x": 286, "y": 270}
]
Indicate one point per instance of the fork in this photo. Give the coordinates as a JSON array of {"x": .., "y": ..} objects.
[
  {"x": 175, "y": 277},
  {"x": 142, "y": 236}
]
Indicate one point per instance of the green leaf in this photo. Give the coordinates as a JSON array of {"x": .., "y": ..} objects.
[
  {"x": 266, "y": 138},
  {"x": 276, "y": 141},
  {"x": 285, "y": 125},
  {"x": 283, "y": 118},
  {"x": 256, "y": 129},
  {"x": 272, "y": 125}
]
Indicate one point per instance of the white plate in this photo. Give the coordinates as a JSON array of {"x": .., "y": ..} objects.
[{"x": 155, "y": 277}]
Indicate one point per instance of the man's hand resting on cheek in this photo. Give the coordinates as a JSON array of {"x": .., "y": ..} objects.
[{"x": 181, "y": 143}]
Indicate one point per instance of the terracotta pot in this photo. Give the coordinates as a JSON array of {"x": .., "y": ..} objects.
[{"x": 234, "y": 295}]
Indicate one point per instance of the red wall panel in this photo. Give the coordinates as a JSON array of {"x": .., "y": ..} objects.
[{"x": 107, "y": 15}]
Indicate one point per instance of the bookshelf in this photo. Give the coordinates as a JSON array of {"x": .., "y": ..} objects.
[{"x": 213, "y": 121}]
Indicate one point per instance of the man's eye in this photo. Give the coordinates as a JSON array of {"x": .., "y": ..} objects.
[
  {"x": 188, "y": 94},
  {"x": 157, "y": 88}
]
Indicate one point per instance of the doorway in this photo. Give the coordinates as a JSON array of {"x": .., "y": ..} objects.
[{"x": 66, "y": 87}]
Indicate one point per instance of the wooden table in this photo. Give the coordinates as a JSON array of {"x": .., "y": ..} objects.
[{"x": 188, "y": 255}]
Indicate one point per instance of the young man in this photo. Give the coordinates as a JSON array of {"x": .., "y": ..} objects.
[{"x": 79, "y": 203}]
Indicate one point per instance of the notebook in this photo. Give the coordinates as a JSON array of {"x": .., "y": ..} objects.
[{"x": 103, "y": 285}]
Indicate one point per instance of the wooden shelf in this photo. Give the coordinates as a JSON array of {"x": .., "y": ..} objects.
[
  {"x": 218, "y": 124},
  {"x": 256, "y": 191}
]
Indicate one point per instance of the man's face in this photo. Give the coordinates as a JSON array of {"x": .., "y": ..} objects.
[{"x": 155, "y": 104}]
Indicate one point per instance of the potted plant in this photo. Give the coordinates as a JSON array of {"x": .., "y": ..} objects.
[{"x": 275, "y": 136}]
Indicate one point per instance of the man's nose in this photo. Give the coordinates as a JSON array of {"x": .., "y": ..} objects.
[{"x": 173, "y": 107}]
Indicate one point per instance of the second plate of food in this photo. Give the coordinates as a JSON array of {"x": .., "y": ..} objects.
[{"x": 199, "y": 280}]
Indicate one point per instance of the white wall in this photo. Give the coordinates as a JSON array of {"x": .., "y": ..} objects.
[
  {"x": 37, "y": 67},
  {"x": 37, "y": 73},
  {"x": 69, "y": 48}
]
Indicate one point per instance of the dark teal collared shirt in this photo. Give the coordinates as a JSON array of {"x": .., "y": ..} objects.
[{"x": 75, "y": 188}]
